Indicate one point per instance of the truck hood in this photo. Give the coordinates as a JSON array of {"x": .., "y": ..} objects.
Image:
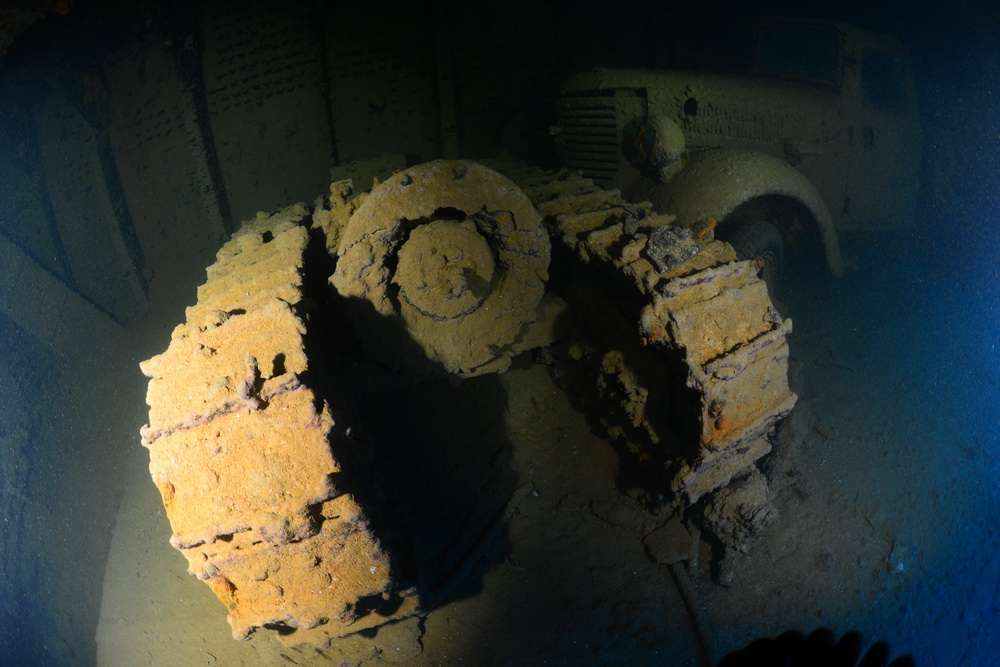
[{"x": 784, "y": 118}]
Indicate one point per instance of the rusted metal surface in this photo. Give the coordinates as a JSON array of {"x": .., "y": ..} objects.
[
  {"x": 242, "y": 451},
  {"x": 673, "y": 343},
  {"x": 449, "y": 255},
  {"x": 694, "y": 373}
]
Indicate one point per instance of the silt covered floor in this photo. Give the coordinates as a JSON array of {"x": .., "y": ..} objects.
[{"x": 884, "y": 478}]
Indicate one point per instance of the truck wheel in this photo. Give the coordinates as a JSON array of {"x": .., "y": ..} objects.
[{"x": 759, "y": 238}]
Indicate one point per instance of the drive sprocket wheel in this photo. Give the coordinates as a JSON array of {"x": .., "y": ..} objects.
[{"x": 444, "y": 262}]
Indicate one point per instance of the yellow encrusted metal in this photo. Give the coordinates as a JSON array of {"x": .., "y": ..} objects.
[{"x": 242, "y": 451}]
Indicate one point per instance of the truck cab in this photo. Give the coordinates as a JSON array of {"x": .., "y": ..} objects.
[{"x": 808, "y": 127}]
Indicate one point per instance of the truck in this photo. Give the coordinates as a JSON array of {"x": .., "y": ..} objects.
[{"x": 806, "y": 130}]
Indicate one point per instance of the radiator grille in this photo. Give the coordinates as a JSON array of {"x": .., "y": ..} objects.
[{"x": 589, "y": 139}]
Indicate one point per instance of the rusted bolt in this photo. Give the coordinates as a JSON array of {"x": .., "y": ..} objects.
[
  {"x": 715, "y": 407},
  {"x": 721, "y": 424}
]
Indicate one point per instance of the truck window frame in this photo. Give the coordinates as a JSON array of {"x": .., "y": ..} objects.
[{"x": 806, "y": 53}]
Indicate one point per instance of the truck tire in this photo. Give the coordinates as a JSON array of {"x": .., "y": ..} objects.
[{"x": 759, "y": 238}]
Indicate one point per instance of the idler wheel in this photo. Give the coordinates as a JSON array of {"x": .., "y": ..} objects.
[
  {"x": 445, "y": 269},
  {"x": 442, "y": 266}
]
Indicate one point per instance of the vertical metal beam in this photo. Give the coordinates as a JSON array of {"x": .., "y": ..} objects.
[
  {"x": 188, "y": 46},
  {"x": 445, "y": 80}
]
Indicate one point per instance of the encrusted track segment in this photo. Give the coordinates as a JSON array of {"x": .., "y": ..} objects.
[
  {"x": 692, "y": 300},
  {"x": 242, "y": 451}
]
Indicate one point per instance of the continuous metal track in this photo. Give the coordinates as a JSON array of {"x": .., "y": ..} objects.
[
  {"x": 242, "y": 452},
  {"x": 681, "y": 353},
  {"x": 689, "y": 295}
]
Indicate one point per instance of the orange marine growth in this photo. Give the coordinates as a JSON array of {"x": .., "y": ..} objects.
[
  {"x": 224, "y": 590},
  {"x": 705, "y": 227},
  {"x": 167, "y": 493},
  {"x": 656, "y": 334}
]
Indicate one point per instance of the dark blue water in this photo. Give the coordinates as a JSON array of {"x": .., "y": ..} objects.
[{"x": 922, "y": 333}]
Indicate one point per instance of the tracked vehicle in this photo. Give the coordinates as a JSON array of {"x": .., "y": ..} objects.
[{"x": 256, "y": 440}]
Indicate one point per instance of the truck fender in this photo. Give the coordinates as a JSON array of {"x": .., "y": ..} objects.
[{"x": 717, "y": 181}]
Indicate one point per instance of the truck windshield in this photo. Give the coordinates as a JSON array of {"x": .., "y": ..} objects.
[{"x": 805, "y": 53}]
